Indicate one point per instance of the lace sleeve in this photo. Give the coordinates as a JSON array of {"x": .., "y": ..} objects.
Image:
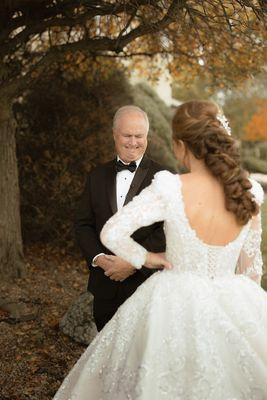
[
  {"x": 145, "y": 209},
  {"x": 250, "y": 259}
]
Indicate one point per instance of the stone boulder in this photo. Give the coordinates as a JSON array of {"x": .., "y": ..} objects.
[{"x": 78, "y": 322}]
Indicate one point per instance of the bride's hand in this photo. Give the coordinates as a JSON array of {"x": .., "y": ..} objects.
[{"x": 157, "y": 261}]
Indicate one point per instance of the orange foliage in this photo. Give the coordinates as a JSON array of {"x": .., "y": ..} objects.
[
  {"x": 223, "y": 41},
  {"x": 256, "y": 128}
]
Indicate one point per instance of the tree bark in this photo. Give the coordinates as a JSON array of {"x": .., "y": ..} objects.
[{"x": 11, "y": 251}]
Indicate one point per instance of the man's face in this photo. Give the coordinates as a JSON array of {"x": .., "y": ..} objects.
[{"x": 130, "y": 136}]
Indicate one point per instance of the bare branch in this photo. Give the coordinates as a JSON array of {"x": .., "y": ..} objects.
[{"x": 126, "y": 28}]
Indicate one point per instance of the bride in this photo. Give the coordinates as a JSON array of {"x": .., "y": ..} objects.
[{"x": 197, "y": 329}]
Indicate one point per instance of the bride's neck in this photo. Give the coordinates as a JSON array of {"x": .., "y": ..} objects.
[{"x": 199, "y": 167}]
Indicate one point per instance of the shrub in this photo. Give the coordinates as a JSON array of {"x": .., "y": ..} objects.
[
  {"x": 64, "y": 130},
  {"x": 253, "y": 164}
]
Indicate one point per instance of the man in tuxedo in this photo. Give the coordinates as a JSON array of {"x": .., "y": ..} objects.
[{"x": 109, "y": 187}]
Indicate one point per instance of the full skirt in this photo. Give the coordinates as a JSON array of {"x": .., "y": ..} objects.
[{"x": 180, "y": 336}]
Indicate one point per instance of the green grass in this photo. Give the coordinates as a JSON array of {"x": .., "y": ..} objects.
[{"x": 264, "y": 242}]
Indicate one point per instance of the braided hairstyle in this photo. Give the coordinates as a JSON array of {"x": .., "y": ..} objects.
[{"x": 196, "y": 124}]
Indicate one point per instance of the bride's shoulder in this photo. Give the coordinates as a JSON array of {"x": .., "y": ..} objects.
[
  {"x": 257, "y": 191},
  {"x": 164, "y": 180},
  {"x": 164, "y": 176}
]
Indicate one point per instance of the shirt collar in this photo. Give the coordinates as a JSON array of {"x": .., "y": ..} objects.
[{"x": 137, "y": 161}]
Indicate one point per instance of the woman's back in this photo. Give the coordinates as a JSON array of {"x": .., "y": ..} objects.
[
  {"x": 204, "y": 203},
  {"x": 201, "y": 236}
]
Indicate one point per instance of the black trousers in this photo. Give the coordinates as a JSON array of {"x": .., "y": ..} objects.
[{"x": 104, "y": 309}]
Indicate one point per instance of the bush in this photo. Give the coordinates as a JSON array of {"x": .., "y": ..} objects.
[
  {"x": 160, "y": 143},
  {"x": 262, "y": 146},
  {"x": 64, "y": 130},
  {"x": 253, "y": 164},
  {"x": 254, "y": 149},
  {"x": 152, "y": 94}
]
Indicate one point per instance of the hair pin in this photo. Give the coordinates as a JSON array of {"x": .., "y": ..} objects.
[{"x": 224, "y": 122}]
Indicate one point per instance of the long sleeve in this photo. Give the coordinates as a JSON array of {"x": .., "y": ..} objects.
[
  {"x": 250, "y": 260},
  {"x": 145, "y": 209}
]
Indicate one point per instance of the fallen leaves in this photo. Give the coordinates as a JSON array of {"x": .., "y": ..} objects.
[{"x": 35, "y": 356}]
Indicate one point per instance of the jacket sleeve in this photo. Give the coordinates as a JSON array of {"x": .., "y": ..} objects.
[{"x": 85, "y": 226}]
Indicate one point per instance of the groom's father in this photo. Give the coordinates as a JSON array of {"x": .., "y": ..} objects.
[{"x": 109, "y": 187}]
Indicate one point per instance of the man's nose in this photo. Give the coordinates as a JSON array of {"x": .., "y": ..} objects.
[{"x": 133, "y": 141}]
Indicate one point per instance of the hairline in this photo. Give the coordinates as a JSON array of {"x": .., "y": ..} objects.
[{"x": 130, "y": 109}]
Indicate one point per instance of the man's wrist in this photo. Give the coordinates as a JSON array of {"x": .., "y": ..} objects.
[{"x": 148, "y": 259}]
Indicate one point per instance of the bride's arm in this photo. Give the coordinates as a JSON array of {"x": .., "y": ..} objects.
[
  {"x": 145, "y": 209},
  {"x": 250, "y": 260}
]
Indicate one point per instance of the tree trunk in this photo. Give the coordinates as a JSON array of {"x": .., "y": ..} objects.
[{"x": 11, "y": 252}]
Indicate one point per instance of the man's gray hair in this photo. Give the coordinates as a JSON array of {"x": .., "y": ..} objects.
[{"x": 129, "y": 109}]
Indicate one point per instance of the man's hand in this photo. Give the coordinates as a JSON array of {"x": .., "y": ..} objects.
[{"x": 115, "y": 267}]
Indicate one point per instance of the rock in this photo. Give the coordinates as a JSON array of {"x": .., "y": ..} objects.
[
  {"x": 18, "y": 311},
  {"x": 78, "y": 322}
]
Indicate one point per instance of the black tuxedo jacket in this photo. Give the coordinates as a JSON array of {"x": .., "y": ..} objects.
[{"x": 97, "y": 204}]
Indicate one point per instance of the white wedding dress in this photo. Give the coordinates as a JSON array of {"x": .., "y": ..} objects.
[{"x": 196, "y": 332}]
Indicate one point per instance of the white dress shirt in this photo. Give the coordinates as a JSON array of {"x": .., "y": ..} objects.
[{"x": 124, "y": 179}]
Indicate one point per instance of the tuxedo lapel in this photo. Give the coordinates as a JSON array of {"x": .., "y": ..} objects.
[
  {"x": 111, "y": 185},
  {"x": 139, "y": 176}
]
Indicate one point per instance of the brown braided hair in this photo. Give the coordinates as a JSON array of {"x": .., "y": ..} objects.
[{"x": 195, "y": 123}]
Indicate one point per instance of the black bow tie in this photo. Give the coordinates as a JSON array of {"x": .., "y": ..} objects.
[{"x": 120, "y": 166}]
